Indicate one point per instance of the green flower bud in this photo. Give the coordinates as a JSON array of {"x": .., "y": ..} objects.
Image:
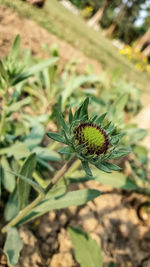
[{"x": 93, "y": 137}]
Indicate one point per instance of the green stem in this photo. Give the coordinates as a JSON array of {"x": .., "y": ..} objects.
[
  {"x": 41, "y": 195},
  {"x": 23, "y": 212},
  {"x": 76, "y": 164},
  {"x": 59, "y": 174}
]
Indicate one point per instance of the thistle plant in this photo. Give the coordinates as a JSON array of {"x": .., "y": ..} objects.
[{"x": 90, "y": 140}]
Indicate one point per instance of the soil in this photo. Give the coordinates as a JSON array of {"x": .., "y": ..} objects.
[
  {"x": 111, "y": 219},
  {"x": 33, "y": 36}
]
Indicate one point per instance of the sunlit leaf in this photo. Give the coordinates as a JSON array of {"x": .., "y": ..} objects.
[
  {"x": 13, "y": 246},
  {"x": 87, "y": 251},
  {"x": 75, "y": 198}
]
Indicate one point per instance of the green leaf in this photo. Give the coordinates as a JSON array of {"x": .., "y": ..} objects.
[
  {"x": 116, "y": 111},
  {"x": 114, "y": 179},
  {"x": 119, "y": 153},
  {"x": 82, "y": 110},
  {"x": 112, "y": 264},
  {"x": 74, "y": 83},
  {"x": 3, "y": 72},
  {"x": 102, "y": 167},
  {"x": 58, "y": 189},
  {"x": 36, "y": 186},
  {"x": 93, "y": 119},
  {"x": 18, "y": 105},
  {"x": 27, "y": 169},
  {"x": 45, "y": 153},
  {"x": 18, "y": 150},
  {"x": 112, "y": 166},
  {"x": 70, "y": 116},
  {"x": 120, "y": 103},
  {"x": 56, "y": 137},
  {"x": 7, "y": 178},
  {"x": 87, "y": 251},
  {"x": 86, "y": 168},
  {"x": 45, "y": 164},
  {"x": 100, "y": 119},
  {"x": 141, "y": 152},
  {"x": 35, "y": 136},
  {"x": 65, "y": 150},
  {"x": 13, "y": 246},
  {"x": 15, "y": 49},
  {"x": 34, "y": 69},
  {"x": 11, "y": 208},
  {"x": 75, "y": 198},
  {"x": 115, "y": 138},
  {"x": 63, "y": 123}
]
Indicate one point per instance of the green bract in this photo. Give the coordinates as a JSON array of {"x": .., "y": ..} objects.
[{"x": 90, "y": 139}]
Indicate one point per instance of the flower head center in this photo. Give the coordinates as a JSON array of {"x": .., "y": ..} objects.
[{"x": 93, "y": 137}]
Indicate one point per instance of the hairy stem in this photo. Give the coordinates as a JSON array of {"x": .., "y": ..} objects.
[{"x": 59, "y": 174}]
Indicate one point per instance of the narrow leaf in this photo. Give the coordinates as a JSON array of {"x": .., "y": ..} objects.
[
  {"x": 112, "y": 166},
  {"x": 27, "y": 169},
  {"x": 103, "y": 167},
  {"x": 17, "y": 105},
  {"x": 86, "y": 168},
  {"x": 100, "y": 119},
  {"x": 57, "y": 137},
  {"x": 34, "y": 69},
  {"x": 36, "y": 186},
  {"x": 63, "y": 123},
  {"x": 13, "y": 246},
  {"x": 70, "y": 116},
  {"x": 120, "y": 153},
  {"x": 3, "y": 72},
  {"x": 93, "y": 118},
  {"x": 15, "y": 49},
  {"x": 82, "y": 110},
  {"x": 65, "y": 150}
]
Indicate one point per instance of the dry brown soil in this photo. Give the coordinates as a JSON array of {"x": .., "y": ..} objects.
[
  {"x": 111, "y": 219},
  {"x": 33, "y": 36}
]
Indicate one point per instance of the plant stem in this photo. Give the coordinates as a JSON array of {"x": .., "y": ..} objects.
[
  {"x": 23, "y": 212},
  {"x": 59, "y": 174},
  {"x": 41, "y": 195},
  {"x": 76, "y": 164}
]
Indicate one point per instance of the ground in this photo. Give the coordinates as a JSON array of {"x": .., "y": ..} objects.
[
  {"x": 111, "y": 219},
  {"x": 11, "y": 24}
]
